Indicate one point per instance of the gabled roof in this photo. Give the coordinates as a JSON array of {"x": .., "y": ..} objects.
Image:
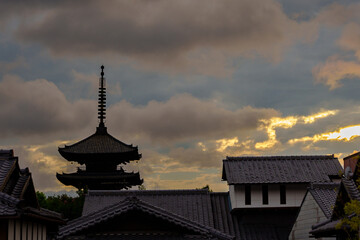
[
  {"x": 347, "y": 191},
  {"x": 101, "y": 180},
  {"x": 280, "y": 169},
  {"x": 194, "y": 205},
  {"x": 133, "y": 203},
  {"x": 17, "y": 192},
  {"x": 325, "y": 196}
]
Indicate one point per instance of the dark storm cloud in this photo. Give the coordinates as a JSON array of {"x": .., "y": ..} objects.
[
  {"x": 183, "y": 117},
  {"x": 39, "y": 108},
  {"x": 162, "y": 31}
]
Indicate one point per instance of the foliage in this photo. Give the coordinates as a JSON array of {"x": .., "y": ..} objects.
[
  {"x": 69, "y": 207},
  {"x": 351, "y": 222},
  {"x": 352, "y": 209},
  {"x": 142, "y": 187}
]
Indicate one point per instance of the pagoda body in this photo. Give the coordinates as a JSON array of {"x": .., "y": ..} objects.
[{"x": 101, "y": 154}]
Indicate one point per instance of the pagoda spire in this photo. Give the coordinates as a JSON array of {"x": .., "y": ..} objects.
[
  {"x": 102, "y": 99},
  {"x": 101, "y": 154}
]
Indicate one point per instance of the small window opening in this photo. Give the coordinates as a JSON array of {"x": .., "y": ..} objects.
[
  {"x": 282, "y": 194},
  {"x": 247, "y": 194},
  {"x": 265, "y": 194}
]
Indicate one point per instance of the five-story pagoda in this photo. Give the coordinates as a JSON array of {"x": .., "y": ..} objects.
[{"x": 101, "y": 153}]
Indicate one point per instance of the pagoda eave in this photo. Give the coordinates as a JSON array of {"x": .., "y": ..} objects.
[
  {"x": 82, "y": 158},
  {"x": 100, "y": 181}
]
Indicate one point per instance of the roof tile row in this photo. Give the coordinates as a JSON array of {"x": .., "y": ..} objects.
[{"x": 280, "y": 169}]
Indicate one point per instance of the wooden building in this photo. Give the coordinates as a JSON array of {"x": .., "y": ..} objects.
[
  {"x": 200, "y": 214},
  {"x": 21, "y": 218},
  {"x": 316, "y": 207},
  {"x": 267, "y": 191},
  {"x": 348, "y": 191}
]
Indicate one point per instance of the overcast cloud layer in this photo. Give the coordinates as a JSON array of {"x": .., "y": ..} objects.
[{"x": 190, "y": 82}]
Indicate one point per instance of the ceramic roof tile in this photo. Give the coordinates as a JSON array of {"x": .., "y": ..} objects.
[
  {"x": 16, "y": 182},
  {"x": 5, "y": 166},
  {"x": 323, "y": 227},
  {"x": 351, "y": 188},
  {"x": 221, "y": 211},
  {"x": 280, "y": 169},
  {"x": 325, "y": 196},
  {"x": 138, "y": 236},
  {"x": 19, "y": 187},
  {"x": 130, "y": 203},
  {"x": 99, "y": 143},
  {"x": 191, "y": 204},
  {"x": 8, "y": 205}
]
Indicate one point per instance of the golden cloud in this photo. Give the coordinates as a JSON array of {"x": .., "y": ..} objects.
[
  {"x": 334, "y": 70},
  {"x": 343, "y": 134},
  {"x": 288, "y": 122}
]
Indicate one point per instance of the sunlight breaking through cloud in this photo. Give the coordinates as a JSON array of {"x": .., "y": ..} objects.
[
  {"x": 288, "y": 122},
  {"x": 225, "y": 143},
  {"x": 343, "y": 134}
]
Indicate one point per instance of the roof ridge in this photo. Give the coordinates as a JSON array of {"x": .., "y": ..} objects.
[
  {"x": 324, "y": 185},
  {"x": 282, "y": 157},
  {"x": 280, "y": 169},
  {"x": 147, "y": 192},
  {"x": 134, "y": 202}
]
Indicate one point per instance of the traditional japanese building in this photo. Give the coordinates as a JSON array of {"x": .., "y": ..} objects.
[
  {"x": 101, "y": 154},
  {"x": 266, "y": 210},
  {"x": 21, "y": 216},
  {"x": 343, "y": 224}
]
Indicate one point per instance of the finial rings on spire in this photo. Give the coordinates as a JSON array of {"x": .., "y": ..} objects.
[{"x": 102, "y": 70}]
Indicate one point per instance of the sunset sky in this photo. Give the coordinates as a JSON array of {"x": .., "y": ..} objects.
[{"x": 189, "y": 82}]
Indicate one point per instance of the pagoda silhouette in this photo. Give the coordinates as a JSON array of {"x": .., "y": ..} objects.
[{"x": 101, "y": 153}]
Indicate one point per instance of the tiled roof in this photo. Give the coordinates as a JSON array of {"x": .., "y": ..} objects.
[
  {"x": 325, "y": 196},
  {"x": 44, "y": 214},
  {"x": 138, "y": 236},
  {"x": 351, "y": 189},
  {"x": 324, "y": 227},
  {"x": 5, "y": 166},
  {"x": 194, "y": 205},
  {"x": 131, "y": 203},
  {"x": 6, "y": 153},
  {"x": 15, "y": 182},
  {"x": 280, "y": 169},
  {"x": 8, "y": 205},
  {"x": 19, "y": 187},
  {"x": 223, "y": 220},
  {"x": 99, "y": 143},
  {"x": 347, "y": 191},
  {"x": 245, "y": 226}
]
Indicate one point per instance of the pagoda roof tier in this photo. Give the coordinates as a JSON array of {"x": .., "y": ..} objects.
[
  {"x": 100, "y": 180},
  {"x": 100, "y": 146}
]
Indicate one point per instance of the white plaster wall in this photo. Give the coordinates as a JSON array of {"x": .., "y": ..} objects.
[
  {"x": 310, "y": 213},
  {"x": 294, "y": 196}
]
